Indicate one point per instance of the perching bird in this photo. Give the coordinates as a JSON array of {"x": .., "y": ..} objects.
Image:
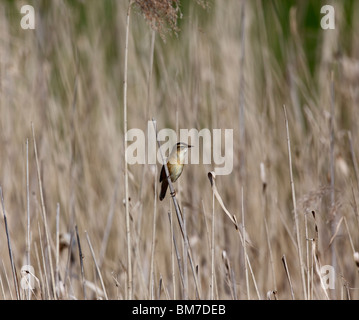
[{"x": 175, "y": 166}]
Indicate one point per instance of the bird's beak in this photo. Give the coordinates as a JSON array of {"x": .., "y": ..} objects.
[{"x": 189, "y": 146}]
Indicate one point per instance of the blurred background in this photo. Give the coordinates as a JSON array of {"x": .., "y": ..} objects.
[{"x": 191, "y": 64}]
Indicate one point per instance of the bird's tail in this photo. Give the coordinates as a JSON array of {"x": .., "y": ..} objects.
[{"x": 164, "y": 187}]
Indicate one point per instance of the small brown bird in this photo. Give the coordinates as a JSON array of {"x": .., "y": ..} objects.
[{"x": 175, "y": 166}]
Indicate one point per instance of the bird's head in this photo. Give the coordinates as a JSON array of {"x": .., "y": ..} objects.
[{"x": 183, "y": 147}]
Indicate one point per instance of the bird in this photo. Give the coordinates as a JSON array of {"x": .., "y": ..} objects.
[{"x": 175, "y": 166}]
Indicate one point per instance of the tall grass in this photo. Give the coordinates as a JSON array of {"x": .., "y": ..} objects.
[{"x": 228, "y": 65}]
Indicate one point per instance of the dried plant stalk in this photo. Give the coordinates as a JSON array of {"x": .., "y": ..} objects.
[
  {"x": 13, "y": 269},
  {"x": 295, "y": 205}
]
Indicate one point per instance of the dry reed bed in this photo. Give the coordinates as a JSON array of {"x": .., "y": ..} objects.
[{"x": 224, "y": 69}]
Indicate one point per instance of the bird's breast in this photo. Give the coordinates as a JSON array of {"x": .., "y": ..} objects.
[{"x": 175, "y": 170}]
